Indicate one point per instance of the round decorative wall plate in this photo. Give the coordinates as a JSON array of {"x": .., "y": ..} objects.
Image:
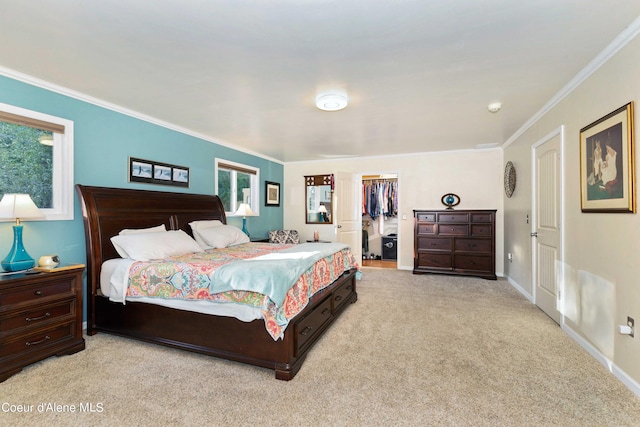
[
  {"x": 509, "y": 179},
  {"x": 450, "y": 200}
]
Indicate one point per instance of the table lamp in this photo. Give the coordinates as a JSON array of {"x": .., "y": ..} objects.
[
  {"x": 245, "y": 211},
  {"x": 17, "y": 207},
  {"x": 322, "y": 209}
]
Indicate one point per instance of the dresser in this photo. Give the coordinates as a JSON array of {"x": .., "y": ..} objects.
[
  {"x": 460, "y": 242},
  {"x": 40, "y": 316}
]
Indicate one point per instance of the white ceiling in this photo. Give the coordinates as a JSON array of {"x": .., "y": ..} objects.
[{"x": 419, "y": 73}]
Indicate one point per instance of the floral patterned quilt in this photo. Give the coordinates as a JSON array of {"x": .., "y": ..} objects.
[{"x": 189, "y": 277}]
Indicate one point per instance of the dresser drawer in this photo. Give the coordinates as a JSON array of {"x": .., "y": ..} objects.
[
  {"x": 481, "y": 230},
  {"x": 434, "y": 244},
  {"x": 473, "y": 262},
  {"x": 341, "y": 295},
  {"x": 311, "y": 324},
  {"x": 37, "y": 315},
  {"x": 453, "y": 217},
  {"x": 482, "y": 217},
  {"x": 36, "y": 340},
  {"x": 453, "y": 229},
  {"x": 426, "y": 229},
  {"x": 35, "y": 293},
  {"x": 473, "y": 245},
  {"x": 426, "y": 216},
  {"x": 434, "y": 260}
]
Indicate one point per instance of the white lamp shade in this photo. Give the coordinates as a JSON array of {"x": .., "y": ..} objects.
[
  {"x": 19, "y": 206},
  {"x": 322, "y": 209},
  {"x": 244, "y": 210}
]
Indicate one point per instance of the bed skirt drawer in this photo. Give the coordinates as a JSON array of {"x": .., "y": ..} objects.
[
  {"x": 309, "y": 326},
  {"x": 341, "y": 296}
]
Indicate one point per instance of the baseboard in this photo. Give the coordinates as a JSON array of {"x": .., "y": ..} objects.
[
  {"x": 631, "y": 384},
  {"x": 520, "y": 289}
]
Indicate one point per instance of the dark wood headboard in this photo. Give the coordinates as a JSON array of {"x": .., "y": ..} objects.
[{"x": 106, "y": 211}]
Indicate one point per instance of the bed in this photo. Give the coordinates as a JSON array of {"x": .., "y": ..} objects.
[{"x": 108, "y": 211}]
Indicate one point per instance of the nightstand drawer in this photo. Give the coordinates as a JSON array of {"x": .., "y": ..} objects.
[
  {"x": 35, "y": 293},
  {"x": 37, "y": 315},
  {"x": 36, "y": 340}
]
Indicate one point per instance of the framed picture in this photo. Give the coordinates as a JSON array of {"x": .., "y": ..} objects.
[
  {"x": 607, "y": 163},
  {"x": 272, "y": 194},
  {"x": 157, "y": 173}
]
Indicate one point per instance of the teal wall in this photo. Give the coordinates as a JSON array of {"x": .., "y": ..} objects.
[{"x": 103, "y": 142}]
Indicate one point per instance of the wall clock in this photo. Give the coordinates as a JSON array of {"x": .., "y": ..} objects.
[{"x": 509, "y": 179}]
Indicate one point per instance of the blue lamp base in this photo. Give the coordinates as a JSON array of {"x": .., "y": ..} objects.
[
  {"x": 244, "y": 226},
  {"x": 18, "y": 258}
]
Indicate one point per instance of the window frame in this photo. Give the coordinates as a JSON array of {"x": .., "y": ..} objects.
[
  {"x": 234, "y": 167},
  {"x": 62, "y": 162}
]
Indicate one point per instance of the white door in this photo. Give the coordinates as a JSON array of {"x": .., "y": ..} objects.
[
  {"x": 348, "y": 210},
  {"x": 547, "y": 222}
]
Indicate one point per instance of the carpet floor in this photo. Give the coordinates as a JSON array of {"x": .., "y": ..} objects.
[{"x": 414, "y": 350}]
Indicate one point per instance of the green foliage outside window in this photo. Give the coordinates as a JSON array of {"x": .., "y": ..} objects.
[{"x": 26, "y": 166}]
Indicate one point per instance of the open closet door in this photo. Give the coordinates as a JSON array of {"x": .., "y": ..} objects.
[{"x": 348, "y": 211}]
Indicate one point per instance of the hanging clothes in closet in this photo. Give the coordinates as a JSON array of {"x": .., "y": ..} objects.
[{"x": 380, "y": 198}]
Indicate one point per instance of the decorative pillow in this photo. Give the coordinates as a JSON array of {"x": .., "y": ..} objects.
[
  {"x": 201, "y": 225},
  {"x": 160, "y": 245},
  {"x": 284, "y": 236},
  {"x": 155, "y": 229},
  {"x": 221, "y": 236}
]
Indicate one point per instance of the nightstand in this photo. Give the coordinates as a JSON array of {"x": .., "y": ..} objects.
[{"x": 40, "y": 315}]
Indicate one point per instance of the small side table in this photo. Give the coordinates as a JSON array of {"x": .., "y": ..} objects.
[{"x": 40, "y": 315}]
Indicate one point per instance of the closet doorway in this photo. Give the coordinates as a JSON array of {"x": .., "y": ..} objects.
[{"x": 380, "y": 220}]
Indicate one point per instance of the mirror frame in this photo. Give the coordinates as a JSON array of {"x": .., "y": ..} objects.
[{"x": 318, "y": 181}]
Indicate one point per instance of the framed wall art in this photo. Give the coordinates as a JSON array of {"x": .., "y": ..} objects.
[
  {"x": 157, "y": 173},
  {"x": 272, "y": 194},
  {"x": 607, "y": 163}
]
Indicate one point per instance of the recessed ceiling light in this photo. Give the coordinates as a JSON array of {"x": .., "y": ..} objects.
[
  {"x": 494, "y": 107},
  {"x": 331, "y": 101}
]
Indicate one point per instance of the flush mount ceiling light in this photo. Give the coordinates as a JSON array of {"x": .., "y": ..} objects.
[
  {"x": 494, "y": 107},
  {"x": 331, "y": 101}
]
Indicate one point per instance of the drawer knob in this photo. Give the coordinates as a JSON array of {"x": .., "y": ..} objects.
[
  {"x": 306, "y": 330},
  {"x": 326, "y": 311},
  {"x": 338, "y": 298},
  {"x": 46, "y": 338},
  {"x": 32, "y": 319},
  {"x": 38, "y": 292}
]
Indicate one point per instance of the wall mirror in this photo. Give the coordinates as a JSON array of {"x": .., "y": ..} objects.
[{"x": 318, "y": 196}]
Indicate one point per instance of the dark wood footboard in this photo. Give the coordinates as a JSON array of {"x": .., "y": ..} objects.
[{"x": 227, "y": 337}]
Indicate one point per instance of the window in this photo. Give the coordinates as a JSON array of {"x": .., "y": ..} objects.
[
  {"x": 36, "y": 158},
  {"x": 237, "y": 183}
]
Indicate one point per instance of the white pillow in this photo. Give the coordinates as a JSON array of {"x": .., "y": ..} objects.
[
  {"x": 155, "y": 229},
  {"x": 199, "y": 225},
  {"x": 159, "y": 245},
  {"x": 222, "y": 236},
  {"x": 195, "y": 225}
]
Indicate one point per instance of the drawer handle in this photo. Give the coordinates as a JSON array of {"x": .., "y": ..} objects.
[
  {"x": 32, "y": 319},
  {"x": 326, "y": 311},
  {"x": 38, "y": 292},
  {"x": 306, "y": 330},
  {"x": 46, "y": 338},
  {"x": 337, "y": 298}
]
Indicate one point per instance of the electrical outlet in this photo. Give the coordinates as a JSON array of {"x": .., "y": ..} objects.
[{"x": 630, "y": 323}]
